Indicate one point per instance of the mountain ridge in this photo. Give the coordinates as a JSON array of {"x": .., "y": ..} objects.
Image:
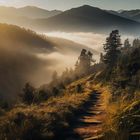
[
  {"x": 28, "y": 11},
  {"x": 79, "y": 19},
  {"x": 134, "y": 14},
  {"x": 86, "y": 18}
]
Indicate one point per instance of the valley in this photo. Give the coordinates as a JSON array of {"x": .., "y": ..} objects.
[{"x": 69, "y": 72}]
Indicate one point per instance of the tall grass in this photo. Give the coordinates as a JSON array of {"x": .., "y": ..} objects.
[
  {"x": 122, "y": 116},
  {"x": 43, "y": 121}
]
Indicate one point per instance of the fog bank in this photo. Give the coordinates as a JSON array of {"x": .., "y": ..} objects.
[{"x": 91, "y": 40}]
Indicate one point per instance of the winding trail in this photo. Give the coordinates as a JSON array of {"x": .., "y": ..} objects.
[{"x": 88, "y": 125}]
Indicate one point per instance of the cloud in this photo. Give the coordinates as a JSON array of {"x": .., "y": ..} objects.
[{"x": 92, "y": 40}]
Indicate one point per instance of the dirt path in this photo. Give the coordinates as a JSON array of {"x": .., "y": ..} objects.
[{"x": 88, "y": 125}]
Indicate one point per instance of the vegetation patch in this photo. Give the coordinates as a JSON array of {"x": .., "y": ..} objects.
[{"x": 43, "y": 121}]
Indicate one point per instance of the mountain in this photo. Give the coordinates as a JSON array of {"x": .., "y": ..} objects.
[
  {"x": 86, "y": 18},
  {"x": 130, "y": 14},
  {"x": 24, "y": 16},
  {"x": 28, "y": 12},
  {"x": 134, "y": 14},
  {"x": 35, "y": 12},
  {"x": 81, "y": 19}
]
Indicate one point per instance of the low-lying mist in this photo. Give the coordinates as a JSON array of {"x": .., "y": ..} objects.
[
  {"x": 92, "y": 40},
  {"x": 19, "y": 64}
]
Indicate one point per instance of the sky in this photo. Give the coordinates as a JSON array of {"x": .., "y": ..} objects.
[{"x": 67, "y": 4}]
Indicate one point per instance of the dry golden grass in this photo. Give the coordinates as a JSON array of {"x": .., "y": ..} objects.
[
  {"x": 42, "y": 121},
  {"x": 120, "y": 120},
  {"x": 122, "y": 113}
]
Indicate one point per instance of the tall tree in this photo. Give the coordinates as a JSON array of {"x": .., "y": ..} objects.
[
  {"x": 28, "y": 94},
  {"x": 84, "y": 62},
  {"x": 136, "y": 43},
  {"x": 127, "y": 44},
  {"x": 112, "y": 48},
  {"x": 101, "y": 58}
]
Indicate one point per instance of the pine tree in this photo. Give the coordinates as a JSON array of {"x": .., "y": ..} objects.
[
  {"x": 136, "y": 43},
  {"x": 127, "y": 44},
  {"x": 112, "y": 48},
  {"x": 28, "y": 94},
  {"x": 101, "y": 58},
  {"x": 84, "y": 63}
]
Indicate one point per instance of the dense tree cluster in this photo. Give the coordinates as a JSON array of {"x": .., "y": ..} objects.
[
  {"x": 122, "y": 61},
  {"x": 112, "y": 48}
]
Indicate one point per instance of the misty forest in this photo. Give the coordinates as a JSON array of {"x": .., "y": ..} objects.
[{"x": 69, "y": 75}]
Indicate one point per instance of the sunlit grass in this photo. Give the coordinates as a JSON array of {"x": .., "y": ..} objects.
[{"x": 45, "y": 120}]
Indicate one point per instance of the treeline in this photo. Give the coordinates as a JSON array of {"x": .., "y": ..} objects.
[
  {"x": 122, "y": 73},
  {"x": 122, "y": 61}
]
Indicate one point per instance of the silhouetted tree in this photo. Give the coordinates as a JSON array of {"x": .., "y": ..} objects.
[
  {"x": 136, "y": 43},
  {"x": 134, "y": 64},
  {"x": 112, "y": 48},
  {"x": 28, "y": 94},
  {"x": 55, "y": 91},
  {"x": 101, "y": 58},
  {"x": 41, "y": 96},
  {"x": 127, "y": 44},
  {"x": 84, "y": 62}
]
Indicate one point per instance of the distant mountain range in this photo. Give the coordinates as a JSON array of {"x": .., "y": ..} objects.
[
  {"x": 134, "y": 14},
  {"x": 28, "y": 12},
  {"x": 130, "y": 14},
  {"x": 87, "y": 18},
  {"x": 84, "y": 19}
]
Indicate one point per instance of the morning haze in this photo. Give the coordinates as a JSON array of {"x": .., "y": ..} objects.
[
  {"x": 67, "y": 4},
  {"x": 71, "y": 73}
]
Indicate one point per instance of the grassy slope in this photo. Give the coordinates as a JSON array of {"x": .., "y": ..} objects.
[
  {"x": 50, "y": 118},
  {"x": 122, "y": 113},
  {"x": 45, "y": 120}
]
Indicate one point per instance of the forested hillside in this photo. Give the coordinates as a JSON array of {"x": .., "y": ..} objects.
[
  {"x": 27, "y": 56},
  {"x": 48, "y": 112}
]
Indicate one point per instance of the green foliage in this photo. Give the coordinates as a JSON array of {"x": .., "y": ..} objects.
[
  {"x": 128, "y": 69},
  {"x": 111, "y": 48},
  {"x": 136, "y": 43},
  {"x": 40, "y": 96},
  {"x": 44, "y": 121},
  {"x": 28, "y": 94},
  {"x": 122, "y": 73},
  {"x": 84, "y": 63},
  {"x": 127, "y": 44}
]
